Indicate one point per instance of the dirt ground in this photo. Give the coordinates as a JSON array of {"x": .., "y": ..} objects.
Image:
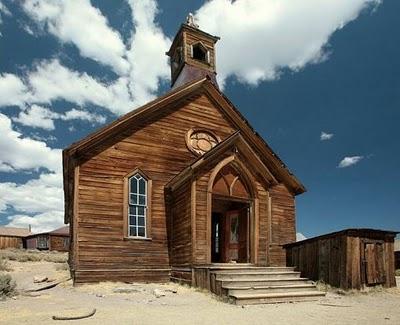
[{"x": 186, "y": 306}]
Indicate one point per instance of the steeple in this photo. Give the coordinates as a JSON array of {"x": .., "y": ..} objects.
[{"x": 192, "y": 54}]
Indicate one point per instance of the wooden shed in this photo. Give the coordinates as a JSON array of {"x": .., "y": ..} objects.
[
  {"x": 11, "y": 237},
  {"x": 56, "y": 240},
  {"x": 397, "y": 254},
  {"x": 349, "y": 259}
]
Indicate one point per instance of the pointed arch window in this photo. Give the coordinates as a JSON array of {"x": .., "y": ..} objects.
[{"x": 137, "y": 206}]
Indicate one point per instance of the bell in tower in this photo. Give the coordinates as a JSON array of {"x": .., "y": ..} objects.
[{"x": 192, "y": 54}]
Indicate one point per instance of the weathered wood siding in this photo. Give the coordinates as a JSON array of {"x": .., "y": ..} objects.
[
  {"x": 283, "y": 223},
  {"x": 158, "y": 148},
  {"x": 10, "y": 242},
  {"x": 180, "y": 227},
  {"x": 57, "y": 243},
  {"x": 348, "y": 259}
]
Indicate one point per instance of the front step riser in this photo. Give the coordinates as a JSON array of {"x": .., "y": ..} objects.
[
  {"x": 257, "y": 276},
  {"x": 267, "y": 291},
  {"x": 259, "y": 301},
  {"x": 227, "y": 283},
  {"x": 254, "y": 270}
]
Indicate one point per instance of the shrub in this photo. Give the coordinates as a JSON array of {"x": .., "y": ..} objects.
[
  {"x": 397, "y": 272},
  {"x": 4, "y": 265},
  {"x": 7, "y": 285},
  {"x": 22, "y": 255}
]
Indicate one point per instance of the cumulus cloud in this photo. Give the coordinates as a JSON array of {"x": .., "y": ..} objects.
[
  {"x": 42, "y": 117},
  {"x": 326, "y": 136},
  {"x": 349, "y": 161},
  {"x": 22, "y": 153},
  {"x": 147, "y": 52},
  {"x": 300, "y": 236},
  {"x": 12, "y": 90},
  {"x": 79, "y": 23},
  {"x": 261, "y": 37},
  {"x": 42, "y": 222}
]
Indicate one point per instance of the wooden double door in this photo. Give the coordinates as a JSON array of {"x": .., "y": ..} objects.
[{"x": 230, "y": 236}]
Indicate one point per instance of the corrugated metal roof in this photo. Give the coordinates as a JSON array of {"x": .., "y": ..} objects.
[{"x": 16, "y": 232}]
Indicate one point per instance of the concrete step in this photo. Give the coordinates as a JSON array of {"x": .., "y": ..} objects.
[
  {"x": 253, "y": 299},
  {"x": 242, "y": 269},
  {"x": 255, "y": 275},
  {"x": 262, "y": 282},
  {"x": 234, "y": 290}
]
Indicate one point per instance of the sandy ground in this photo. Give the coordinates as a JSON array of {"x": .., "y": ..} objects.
[{"x": 186, "y": 306}]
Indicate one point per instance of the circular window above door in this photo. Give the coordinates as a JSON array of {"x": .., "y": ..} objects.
[{"x": 200, "y": 141}]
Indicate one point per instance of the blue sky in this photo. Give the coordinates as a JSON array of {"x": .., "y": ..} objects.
[{"x": 294, "y": 70}]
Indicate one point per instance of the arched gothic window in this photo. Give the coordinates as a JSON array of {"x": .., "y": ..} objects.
[{"x": 138, "y": 204}]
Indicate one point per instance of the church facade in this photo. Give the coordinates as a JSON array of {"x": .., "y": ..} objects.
[{"x": 182, "y": 183}]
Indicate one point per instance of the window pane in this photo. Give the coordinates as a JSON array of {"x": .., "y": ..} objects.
[
  {"x": 132, "y": 220},
  {"x": 141, "y": 232},
  {"x": 133, "y": 199},
  {"x": 142, "y": 199},
  {"x": 141, "y": 221},
  {"x": 142, "y": 186},
  {"x": 132, "y": 231},
  {"x": 133, "y": 185},
  {"x": 132, "y": 209},
  {"x": 140, "y": 211}
]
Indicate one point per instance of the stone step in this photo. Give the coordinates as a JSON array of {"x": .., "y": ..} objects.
[
  {"x": 268, "y": 298},
  {"x": 263, "y": 282},
  {"x": 234, "y": 290},
  {"x": 255, "y": 275},
  {"x": 242, "y": 269}
]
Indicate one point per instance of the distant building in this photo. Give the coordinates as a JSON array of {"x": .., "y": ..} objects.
[
  {"x": 397, "y": 253},
  {"x": 11, "y": 237},
  {"x": 56, "y": 240}
]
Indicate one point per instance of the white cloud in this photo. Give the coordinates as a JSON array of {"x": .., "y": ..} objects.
[
  {"x": 349, "y": 161},
  {"x": 300, "y": 236},
  {"x": 79, "y": 23},
  {"x": 260, "y": 37},
  {"x": 42, "y": 222},
  {"x": 147, "y": 52},
  {"x": 326, "y": 136},
  {"x": 3, "y": 11},
  {"x": 21, "y": 153},
  {"x": 42, "y": 117},
  {"x": 12, "y": 90}
]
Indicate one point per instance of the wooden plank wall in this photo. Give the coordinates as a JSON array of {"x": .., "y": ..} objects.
[
  {"x": 338, "y": 260},
  {"x": 283, "y": 223},
  {"x": 158, "y": 148},
  {"x": 10, "y": 242},
  {"x": 57, "y": 243},
  {"x": 180, "y": 231},
  {"x": 263, "y": 224}
]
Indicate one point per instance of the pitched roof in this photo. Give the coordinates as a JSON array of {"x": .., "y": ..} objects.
[
  {"x": 61, "y": 231},
  {"x": 14, "y": 232},
  {"x": 235, "y": 140},
  {"x": 203, "y": 85}
]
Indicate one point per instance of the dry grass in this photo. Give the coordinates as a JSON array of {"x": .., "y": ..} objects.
[
  {"x": 22, "y": 255},
  {"x": 4, "y": 265},
  {"x": 62, "y": 267}
]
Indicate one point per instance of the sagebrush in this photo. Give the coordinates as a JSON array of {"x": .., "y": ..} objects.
[
  {"x": 398, "y": 272},
  {"x": 7, "y": 285},
  {"x": 23, "y": 255},
  {"x": 4, "y": 265}
]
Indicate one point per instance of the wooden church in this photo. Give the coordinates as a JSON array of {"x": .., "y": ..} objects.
[{"x": 183, "y": 188}]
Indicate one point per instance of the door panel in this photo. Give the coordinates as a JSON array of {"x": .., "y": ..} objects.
[
  {"x": 374, "y": 263},
  {"x": 236, "y": 236}
]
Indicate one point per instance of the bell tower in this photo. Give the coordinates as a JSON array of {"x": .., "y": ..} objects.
[{"x": 192, "y": 54}]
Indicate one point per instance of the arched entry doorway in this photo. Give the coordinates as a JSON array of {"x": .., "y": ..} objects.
[{"x": 231, "y": 213}]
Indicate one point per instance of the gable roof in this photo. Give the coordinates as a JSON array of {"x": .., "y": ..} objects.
[
  {"x": 235, "y": 140},
  {"x": 63, "y": 231},
  {"x": 203, "y": 85},
  {"x": 14, "y": 232}
]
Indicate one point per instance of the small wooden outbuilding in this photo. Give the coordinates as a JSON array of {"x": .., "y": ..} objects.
[
  {"x": 11, "y": 237},
  {"x": 349, "y": 259},
  {"x": 56, "y": 240},
  {"x": 397, "y": 254}
]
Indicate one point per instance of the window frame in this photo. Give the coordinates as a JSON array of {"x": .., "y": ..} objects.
[{"x": 127, "y": 205}]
